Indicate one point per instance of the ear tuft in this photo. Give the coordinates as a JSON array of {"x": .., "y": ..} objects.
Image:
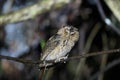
[{"x": 63, "y": 26}]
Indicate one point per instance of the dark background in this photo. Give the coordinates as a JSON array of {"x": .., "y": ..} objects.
[{"x": 27, "y": 38}]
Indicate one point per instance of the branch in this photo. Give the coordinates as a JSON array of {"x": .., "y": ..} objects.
[
  {"x": 105, "y": 19},
  {"x": 52, "y": 61},
  {"x": 109, "y": 66},
  {"x": 81, "y": 65},
  {"x": 114, "y": 5},
  {"x": 94, "y": 54},
  {"x": 104, "y": 57},
  {"x": 16, "y": 59},
  {"x": 31, "y": 11}
]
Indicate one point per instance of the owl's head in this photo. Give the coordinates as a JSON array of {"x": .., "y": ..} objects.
[{"x": 69, "y": 32}]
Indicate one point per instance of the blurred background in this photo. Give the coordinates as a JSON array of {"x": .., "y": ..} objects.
[{"x": 99, "y": 29}]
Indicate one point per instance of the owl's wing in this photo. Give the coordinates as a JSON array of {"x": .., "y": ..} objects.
[{"x": 50, "y": 45}]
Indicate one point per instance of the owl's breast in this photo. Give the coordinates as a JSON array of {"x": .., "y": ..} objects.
[
  {"x": 66, "y": 47},
  {"x": 61, "y": 50}
]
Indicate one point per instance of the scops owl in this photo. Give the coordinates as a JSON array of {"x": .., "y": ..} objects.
[{"x": 60, "y": 44}]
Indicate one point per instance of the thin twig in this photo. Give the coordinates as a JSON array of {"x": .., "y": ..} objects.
[
  {"x": 94, "y": 54},
  {"x": 70, "y": 58},
  {"x": 114, "y": 6},
  {"x": 16, "y": 59},
  {"x": 103, "y": 57},
  {"x": 81, "y": 43},
  {"x": 105, "y": 19},
  {"x": 110, "y": 65},
  {"x": 81, "y": 64}
]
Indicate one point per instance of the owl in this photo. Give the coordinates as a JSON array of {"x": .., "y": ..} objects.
[{"x": 59, "y": 45}]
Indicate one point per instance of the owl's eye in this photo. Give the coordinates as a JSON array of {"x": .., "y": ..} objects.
[
  {"x": 67, "y": 28},
  {"x": 72, "y": 33}
]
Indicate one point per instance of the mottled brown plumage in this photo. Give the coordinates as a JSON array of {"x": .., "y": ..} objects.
[{"x": 60, "y": 44}]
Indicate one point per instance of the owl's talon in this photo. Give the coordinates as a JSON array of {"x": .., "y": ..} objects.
[
  {"x": 44, "y": 63},
  {"x": 61, "y": 59}
]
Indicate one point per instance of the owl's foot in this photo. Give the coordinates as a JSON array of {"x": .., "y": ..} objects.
[
  {"x": 61, "y": 59},
  {"x": 45, "y": 64}
]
